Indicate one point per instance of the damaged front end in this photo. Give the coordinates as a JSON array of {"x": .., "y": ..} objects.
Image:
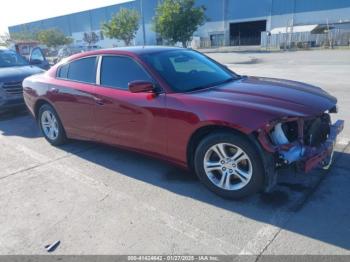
[{"x": 306, "y": 142}]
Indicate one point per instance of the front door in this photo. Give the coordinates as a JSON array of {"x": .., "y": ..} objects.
[
  {"x": 133, "y": 120},
  {"x": 38, "y": 58}
]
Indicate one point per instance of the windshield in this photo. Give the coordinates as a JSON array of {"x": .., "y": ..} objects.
[
  {"x": 186, "y": 70},
  {"x": 10, "y": 58}
]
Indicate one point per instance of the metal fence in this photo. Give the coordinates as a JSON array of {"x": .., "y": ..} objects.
[
  {"x": 297, "y": 40},
  {"x": 304, "y": 40},
  {"x": 220, "y": 42}
]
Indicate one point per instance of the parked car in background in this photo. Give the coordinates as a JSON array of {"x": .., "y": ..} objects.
[
  {"x": 67, "y": 51},
  {"x": 13, "y": 69},
  {"x": 24, "y": 47},
  {"x": 92, "y": 47},
  {"x": 234, "y": 131},
  {"x": 37, "y": 58}
]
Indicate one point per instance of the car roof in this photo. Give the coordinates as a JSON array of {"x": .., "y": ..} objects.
[
  {"x": 144, "y": 49},
  {"x": 136, "y": 50},
  {"x": 131, "y": 50}
]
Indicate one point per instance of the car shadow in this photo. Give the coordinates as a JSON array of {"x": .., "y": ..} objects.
[
  {"x": 17, "y": 123},
  {"x": 288, "y": 197}
]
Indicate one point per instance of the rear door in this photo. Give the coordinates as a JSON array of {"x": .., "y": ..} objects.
[
  {"x": 73, "y": 95},
  {"x": 134, "y": 120}
]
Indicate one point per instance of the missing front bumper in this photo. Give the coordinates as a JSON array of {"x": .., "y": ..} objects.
[
  {"x": 309, "y": 158},
  {"x": 322, "y": 156}
]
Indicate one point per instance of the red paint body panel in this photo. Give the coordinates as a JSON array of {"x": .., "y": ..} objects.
[
  {"x": 75, "y": 105},
  {"x": 162, "y": 124},
  {"x": 131, "y": 120}
]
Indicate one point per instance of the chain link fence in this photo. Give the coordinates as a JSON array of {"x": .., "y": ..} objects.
[
  {"x": 281, "y": 41},
  {"x": 220, "y": 42},
  {"x": 305, "y": 40}
]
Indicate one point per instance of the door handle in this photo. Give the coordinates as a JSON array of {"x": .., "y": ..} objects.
[
  {"x": 99, "y": 101},
  {"x": 54, "y": 90}
]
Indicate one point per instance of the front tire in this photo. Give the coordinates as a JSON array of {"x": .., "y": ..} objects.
[
  {"x": 51, "y": 126},
  {"x": 229, "y": 165}
]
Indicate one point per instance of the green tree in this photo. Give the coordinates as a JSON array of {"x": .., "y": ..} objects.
[
  {"x": 123, "y": 25},
  {"x": 24, "y": 36},
  {"x": 53, "y": 38},
  {"x": 177, "y": 20}
]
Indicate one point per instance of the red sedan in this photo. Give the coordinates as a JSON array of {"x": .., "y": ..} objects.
[{"x": 234, "y": 131}]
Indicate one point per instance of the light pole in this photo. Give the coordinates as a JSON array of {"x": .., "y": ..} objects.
[
  {"x": 224, "y": 14},
  {"x": 143, "y": 23}
]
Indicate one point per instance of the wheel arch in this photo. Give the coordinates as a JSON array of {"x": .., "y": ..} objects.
[
  {"x": 266, "y": 158},
  {"x": 38, "y": 104},
  {"x": 204, "y": 131}
]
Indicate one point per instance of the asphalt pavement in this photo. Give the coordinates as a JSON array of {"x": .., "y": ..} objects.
[{"x": 96, "y": 199}]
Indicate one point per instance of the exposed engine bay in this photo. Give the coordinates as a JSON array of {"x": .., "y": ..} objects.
[
  {"x": 302, "y": 134},
  {"x": 308, "y": 142},
  {"x": 304, "y": 142}
]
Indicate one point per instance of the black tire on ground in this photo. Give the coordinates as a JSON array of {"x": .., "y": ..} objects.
[
  {"x": 257, "y": 179},
  {"x": 61, "y": 137}
]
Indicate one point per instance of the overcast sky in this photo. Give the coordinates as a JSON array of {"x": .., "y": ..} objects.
[{"x": 15, "y": 12}]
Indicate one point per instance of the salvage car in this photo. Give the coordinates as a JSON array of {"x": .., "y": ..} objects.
[
  {"x": 13, "y": 69},
  {"x": 235, "y": 132}
]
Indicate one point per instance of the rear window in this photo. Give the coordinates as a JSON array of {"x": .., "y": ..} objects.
[
  {"x": 63, "y": 71},
  {"x": 82, "y": 70}
]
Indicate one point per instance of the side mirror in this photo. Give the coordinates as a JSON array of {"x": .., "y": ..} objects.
[{"x": 141, "y": 86}]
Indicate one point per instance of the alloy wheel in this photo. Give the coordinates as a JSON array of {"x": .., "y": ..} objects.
[
  {"x": 49, "y": 125},
  {"x": 227, "y": 166}
]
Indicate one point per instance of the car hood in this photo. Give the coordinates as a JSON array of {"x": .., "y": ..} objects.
[
  {"x": 275, "y": 96},
  {"x": 18, "y": 73}
]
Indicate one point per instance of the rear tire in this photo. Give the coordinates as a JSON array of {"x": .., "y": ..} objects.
[
  {"x": 51, "y": 126},
  {"x": 229, "y": 165}
]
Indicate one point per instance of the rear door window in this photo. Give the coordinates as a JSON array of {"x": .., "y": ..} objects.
[{"x": 82, "y": 70}]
